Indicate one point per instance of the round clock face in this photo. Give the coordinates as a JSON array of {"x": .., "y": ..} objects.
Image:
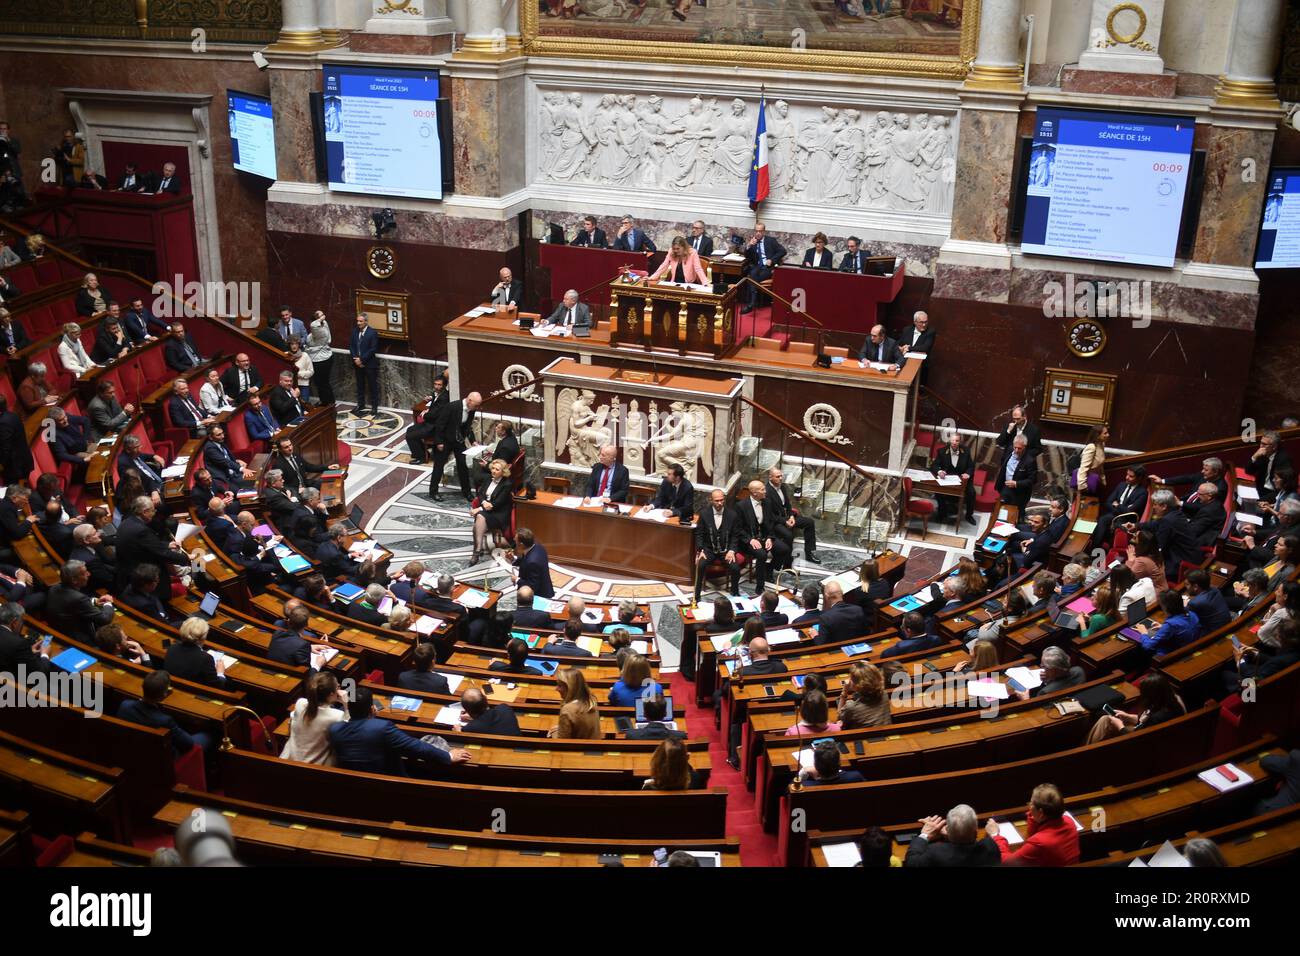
[
  {"x": 1086, "y": 338},
  {"x": 381, "y": 262}
]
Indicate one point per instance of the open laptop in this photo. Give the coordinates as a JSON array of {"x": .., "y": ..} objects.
[
  {"x": 1137, "y": 614},
  {"x": 353, "y": 521},
  {"x": 640, "y": 710},
  {"x": 1062, "y": 617},
  {"x": 208, "y": 607}
]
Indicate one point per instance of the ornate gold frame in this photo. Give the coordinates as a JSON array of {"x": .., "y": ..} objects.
[{"x": 829, "y": 61}]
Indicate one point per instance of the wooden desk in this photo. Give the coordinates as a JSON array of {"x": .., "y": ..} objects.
[
  {"x": 841, "y": 301},
  {"x": 600, "y": 541}
]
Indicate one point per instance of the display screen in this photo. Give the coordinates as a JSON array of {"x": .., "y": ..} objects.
[
  {"x": 381, "y": 131},
  {"x": 1108, "y": 186},
  {"x": 1279, "y": 229},
  {"x": 252, "y": 133}
]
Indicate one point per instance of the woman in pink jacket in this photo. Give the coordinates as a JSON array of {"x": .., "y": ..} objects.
[{"x": 682, "y": 264}]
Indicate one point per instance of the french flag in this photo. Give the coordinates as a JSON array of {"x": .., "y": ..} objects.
[{"x": 758, "y": 174}]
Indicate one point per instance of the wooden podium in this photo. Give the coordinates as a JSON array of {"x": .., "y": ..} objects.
[{"x": 671, "y": 317}]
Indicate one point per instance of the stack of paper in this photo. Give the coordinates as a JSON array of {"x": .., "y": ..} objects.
[
  {"x": 949, "y": 481},
  {"x": 1247, "y": 493},
  {"x": 1009, "y": 833},
  {"x": 453, "y": 681},
  {"x": 174, "y": 471},
  {"x": 223, "y": 661},
  {"x": 651, "y": 514},
  {"x": 1026, "y": 677},
  {"x": 399, "y": 702},
  {"x": 473, "y": 451},
  {"x": 323, "y": 654},
  {"x": 449, "y": 715},
  {"x": 1003, "y": 530},
  {"x": 568, "y": 502},
  {"x": 473, "y": 597},
  {"x": 918, "y": 475},
  {"x": 1221, "y": 783},
  {"x": 483, "y": 310},
  {"x": 593, "y": 644},
  {"x": 841, "y": 854},
  {"x": 786, "y": 635},
  {"x": 805, "y": 758},
  {"x": 743, "y": 604},
  {"x": 987, "y": 688},
  {"x": 702, "y": 612},
  {"x": 1084, "y": 526},
  {"x": 425, "y": 624},
  {"x": 1244, "y": 518}
]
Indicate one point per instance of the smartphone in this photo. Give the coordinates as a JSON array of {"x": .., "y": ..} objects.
[
  {"x": 859, "y": 748},
  {"x": 486, "y": 689},
  {"x": 1015, "y": 685},
  {"x": 1108, "y": 710},
  {"x": 1235, "y": 643},
  {"x": 930, "y": 667},
  {"x": 46, "y": 641},
  {"x": 769, "y": 690}
]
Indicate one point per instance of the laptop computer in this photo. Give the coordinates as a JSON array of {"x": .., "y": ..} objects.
[
  {"x": 1062, "y": 617},
  {"x": 1136, "y": 614},
  {"x": 353, "y": 521},
  {"x": 208, "y": 607},
  {"x": 640, "y": 709}
]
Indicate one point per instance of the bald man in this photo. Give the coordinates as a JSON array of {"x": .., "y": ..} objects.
[
  {"x": 840, "y": 620},
  {"x": 878, "y": 347},
  {"x": 609, "y": 479},
  {"x": 756, "y": 534},
  {"x": 455, "y": 432}
]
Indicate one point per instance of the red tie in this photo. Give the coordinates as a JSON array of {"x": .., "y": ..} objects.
[{"x": 604, "y": 482}]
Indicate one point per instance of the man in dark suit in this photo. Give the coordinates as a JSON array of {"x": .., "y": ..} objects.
[
  {"x": 169, "y": 181},
  {"x": 1212, "y": 470},
  {"x": 756, "y": 538},
  {"x": 88, "y": 548},
  {"x": 918, "y": 337},
  {"x": 1206, "y": 513},
  {"x": 260, "y": 424},
  {"x": 789, "y": 521},
  {"x": 426, "y": 422},
  {"x": 499, "y": 721},
  {"x": 332, "y": 557},
  {"x": 15, "y": 649},
  {"x": 676, "y": 495},
  {"x": 241, "y": 379},
  {"x": 1205, "y": 601},
  {"x": 15, "y": 453},
  {"x": 1287, "y": 768},
  {"x": 609, "y": 478},
  {"x": 142, "y": 595},
  {"x": 1020, "y": 425},
  {"x": 285, "y": 400},
  {"x": 508, "y": 291},
  {"x": 148, "y": 467},
  {"x": 105, "y": 412},
  {"x": 1017, "y": 473},
  {"x": 715, "y": 539},
  {"x": 916, "y": 636},
  {"x": 277, "y": 499},
  {"x": 570, "y": 313},
  {"x": 1266, "y": 461},
  {"x": 880, "y": 348},
  {"x": 185, "y": 411},
  {"x": 1032, "y": 546},
  {"x": 701, "y": 243},
  {"x": 299, "y": 473},
  {"x": 955, "y": 841},
  {"x": 839, "y": 620},
  {"x": 1172, "y": 530},
  {"x": 374, "y": 745},
  {"x": 1129, "y": 497},
  {"x": 953, "y": 459},
  {"x": 760, "y": 662},
  {"x": 632, "y": 239},
  {"x": 526, "y": 617},
  {"x": 365, "y": 607},
  {"x": 250, "y": 553},
  {"x": 421, "y": 676},
  {"x": 768, "y": 613},
  {"x": 762, "y": 256},
  {"x": 566, "y": 645},
  {"x": 1058, "y": 674},
  {"x": 363, "y": 347},
  {"x": 810, "y": 600},
  {"x": 141, "y": 324},
  {"x": 589, "y": 235},
  {"x": 71, "y": 436},
  {"x": 131, "y": 181},
  {"x": 656, "y": 726},
  {"x": 532, "y": 564},
  {"x": 455, "y": 432},
  {"x": 180, "y": 353},
  {"x": 202, "y": 492},
  {"x": 855, "y": 260},
  {"x": 71, "y": 610},
  {"x": 150, "y": 713}
]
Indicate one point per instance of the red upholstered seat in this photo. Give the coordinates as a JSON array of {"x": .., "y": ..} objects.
[
  {"x": 47, "y": 270},
  {"x": 189, "y": 769},
  {"x": 237, "y": 440},
  {"x": 921, "y": 508},
  {"x": 344, "y": 454}
]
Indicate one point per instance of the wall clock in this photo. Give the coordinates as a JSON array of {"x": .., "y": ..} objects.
[
  {"x": 381, "y": 261},
  {"x": 1086, "y": 338}
]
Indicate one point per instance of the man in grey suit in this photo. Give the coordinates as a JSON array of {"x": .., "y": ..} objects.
[
  {"x": 106, "y": 413},
  {"x": 571, "y": 313}
]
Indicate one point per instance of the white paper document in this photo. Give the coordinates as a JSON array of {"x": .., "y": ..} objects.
[
  {"x": 569, "y": 501},
  {"x": 449, "y": 715},
  {"x": 841, "y": 854},
  {"x": 1002, "y": 529},
  {"x": 786, "y": 635},
  {"x": 1009, "y": 833},
  {"x": 987, "y": 688},
  {"x": 1026, "y": 677},
  {"x": 453, "y": 681},
  {"x": 652, "y": 514}
]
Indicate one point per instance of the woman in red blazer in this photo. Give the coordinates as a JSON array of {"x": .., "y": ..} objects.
[
  {"x": 682, "y": 264},
  {"x": 1052, "y": 838}
]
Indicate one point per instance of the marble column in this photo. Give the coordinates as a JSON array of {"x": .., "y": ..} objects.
[
  {"x": 458, "y": 10},
  {"x": 340, "y": 17},
  {"x": 1253, "y": 55},
  {"x": 484, "y": 28},
  {"x": 292, "y": 77},
  {"x": 997, "y": 61},
  {"x": 299, "y": 26}
]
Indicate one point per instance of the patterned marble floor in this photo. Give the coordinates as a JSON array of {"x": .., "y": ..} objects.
[{"x": 399, "y": 513}]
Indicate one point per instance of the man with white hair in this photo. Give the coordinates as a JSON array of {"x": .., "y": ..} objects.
[
  {"x": 571, "y": 314},
  {"x": 953, "y": 841},
  {"x": 756, "y": 535},
  {"x": 1212, "y": 470},
  {"x": 1206, "y": 512},
  {"x": 609, "y": 479},
  {"x": 455, "y": 431},
  {"x": 1017, "y": 473},
  {"x": 1057, "y": 674},
  {"x": 918, "y": 338},
  {"x": 509, "y": 291}
]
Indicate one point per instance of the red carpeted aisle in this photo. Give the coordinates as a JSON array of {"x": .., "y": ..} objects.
[{"x": 756, "y": 847}]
